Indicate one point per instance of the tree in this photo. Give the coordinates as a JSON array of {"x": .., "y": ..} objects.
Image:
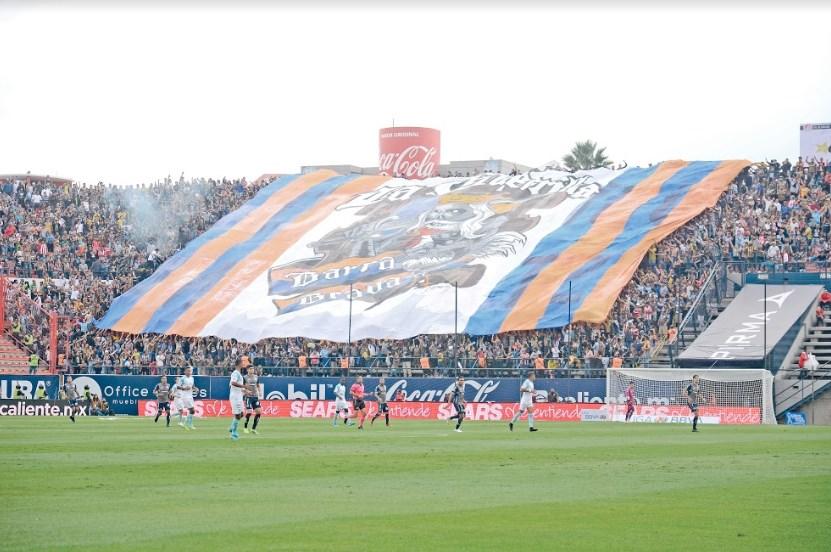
[{"x": 585, "y": 156}]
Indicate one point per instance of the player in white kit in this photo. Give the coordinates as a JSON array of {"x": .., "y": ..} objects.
[
  {"x": 177, "y": 401},
  {"x": 526, "y": 402},
  {"x": 235, "y": 395},
  {"x": 186, "y": 388},
  {"x": 341, "y": 404}
]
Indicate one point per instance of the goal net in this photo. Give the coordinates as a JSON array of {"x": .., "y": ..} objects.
[{"x": 739, "y": 396}]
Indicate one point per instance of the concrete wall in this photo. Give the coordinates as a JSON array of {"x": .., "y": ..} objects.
[{"x": 818, "y": 412}]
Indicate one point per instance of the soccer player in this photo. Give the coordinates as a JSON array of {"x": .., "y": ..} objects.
[
  {"x": 341, "y": 406},
  {"x": 252, "y": 398},
  {"x": 71, "y": 396},
  {"x": 185, "y": 386},
  {"x": 526, "y": 402},
  {"x": 358, "y": 404},
  {"x": 630, "y": 400},
  {"x": 235, "y": 394},
  {"x": 693, "y": 396},
  {"x": 457, "y": 397},
  {"x": 177, "y": 401},
  {"x": 162, "y": 392},
  {"x": 381, "y": 397}
]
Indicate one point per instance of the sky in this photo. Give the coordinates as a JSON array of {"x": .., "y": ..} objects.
[{"x": 131, "y": 94}]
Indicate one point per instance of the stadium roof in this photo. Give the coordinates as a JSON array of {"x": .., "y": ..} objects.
[{"x": 35, "y": 177}]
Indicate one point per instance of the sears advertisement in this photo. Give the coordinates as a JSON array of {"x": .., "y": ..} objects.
[
  {"x": 123, "y": 393},
  {"x": 493, "y": 412}
]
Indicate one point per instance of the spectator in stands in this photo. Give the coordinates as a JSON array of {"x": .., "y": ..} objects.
[
  {"x": 78, "y": 247},
  {"x": 812, "y": 363},
  {"x": 34, "y": 362}
]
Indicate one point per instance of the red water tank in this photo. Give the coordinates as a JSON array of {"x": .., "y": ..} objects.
[{"x": 409, "y": 152}]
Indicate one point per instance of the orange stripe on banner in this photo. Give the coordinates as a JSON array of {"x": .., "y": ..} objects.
[
  {"x": 136, "y": 319},
  {"x": 532, "y": 303},
  {"x": 246, "y": 271},
  {"x": 704, "y": 195}
]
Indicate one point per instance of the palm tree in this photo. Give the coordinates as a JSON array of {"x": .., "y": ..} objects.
[{"x": 585, "y": 156}]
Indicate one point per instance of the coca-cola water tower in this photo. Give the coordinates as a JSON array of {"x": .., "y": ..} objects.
[{"x": 409, "y": 152}]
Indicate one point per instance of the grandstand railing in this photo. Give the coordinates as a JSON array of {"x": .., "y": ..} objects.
[
  {"x": 12, "y": 301},
  {"x": 728, "y": 274},
  {"x": 592, "y": 367},
  {"x": 703, "y": 308},
  {"x": 809, "y": 381}
]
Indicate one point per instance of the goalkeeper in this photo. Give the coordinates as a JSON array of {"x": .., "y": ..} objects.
[{"x": 693, "y": 394}]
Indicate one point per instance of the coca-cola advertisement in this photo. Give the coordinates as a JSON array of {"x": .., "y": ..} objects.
[{"x": 409, "y": 152}]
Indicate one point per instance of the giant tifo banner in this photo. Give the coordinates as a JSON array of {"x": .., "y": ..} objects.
[
  {"x": 815, "y": 141},
  {"x": 310, "y": 253},
  {"x": 124, "y": 393},
  {"x": 494, "y": 412}
]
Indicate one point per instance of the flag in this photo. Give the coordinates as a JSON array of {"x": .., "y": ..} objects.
[{"x": 519, "y": 250}]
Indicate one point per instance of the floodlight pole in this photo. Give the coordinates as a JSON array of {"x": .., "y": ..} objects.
[
  {"x": 349, "y": 333},
  {"x": 569, "y": 305},
  {"x": 765, "y": 327},
  {"x": 456, "y": 329}
]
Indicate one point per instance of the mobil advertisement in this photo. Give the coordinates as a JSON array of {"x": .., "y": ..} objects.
[
  {"x": 27, "y": 385},
  {"x": 493, "y": 412},
  {"x": 123, "y": 393},
  {"x": 434, "y": 389}
]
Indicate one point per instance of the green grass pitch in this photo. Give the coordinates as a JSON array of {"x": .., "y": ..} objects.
[{"x": 130, "y": 484}]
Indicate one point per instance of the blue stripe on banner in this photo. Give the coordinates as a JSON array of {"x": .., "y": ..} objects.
[
  {"x": 641, "y": 222},
  {"x": 125, "y": 302},
  {"x": 185, "y": 297},
  {"x": 490, "y": 315}
]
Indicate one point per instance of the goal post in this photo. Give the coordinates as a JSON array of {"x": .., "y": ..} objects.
[{"x": 737, "y": 396}]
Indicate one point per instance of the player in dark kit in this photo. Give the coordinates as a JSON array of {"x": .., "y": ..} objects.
[
  {"x": 252, "y": 399},
  {"x": 381, "y": 397},
  {"x": 71, "y": 396},
  {"x": 630, "y": 400},
  {"x": 162, "y": 392},
  {"x": 693, "y": 396},
  {"x": 457, "y": 397}
]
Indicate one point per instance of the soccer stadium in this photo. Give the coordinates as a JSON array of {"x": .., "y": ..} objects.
[{"x": 396, "y": 350}]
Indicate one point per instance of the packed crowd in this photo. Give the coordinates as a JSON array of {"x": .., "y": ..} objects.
[
  {"x": 774, "y": 216},
  {"x": 75, "y": 248},
  {"x": 98, "y": 232}
]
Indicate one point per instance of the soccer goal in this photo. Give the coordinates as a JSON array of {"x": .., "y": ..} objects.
[{"x": 729, "y": 396}]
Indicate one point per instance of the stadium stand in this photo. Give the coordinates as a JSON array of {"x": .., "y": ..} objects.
[{"x": 71, "y": 249}]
